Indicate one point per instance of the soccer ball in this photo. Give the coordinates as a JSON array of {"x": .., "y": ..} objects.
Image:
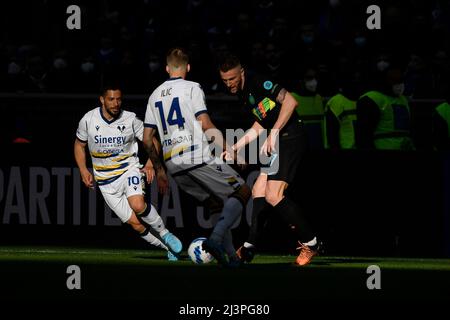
[{"x": 196, "y": 252}]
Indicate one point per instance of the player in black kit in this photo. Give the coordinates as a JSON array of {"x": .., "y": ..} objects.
[{"x": 272, "y": 108}]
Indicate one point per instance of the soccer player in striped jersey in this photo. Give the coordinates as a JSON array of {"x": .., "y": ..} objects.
[
  {"x": 111, "y": 135},
  {"x": 177, "y": 111}
]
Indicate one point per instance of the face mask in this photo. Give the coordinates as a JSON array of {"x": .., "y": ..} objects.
[
  {"x": 398, "y": 89},
  {"x": 153, "y": 66},
  {"x": 87, "y": 67},
  {"x": 59, "y": 63},
  {"x": 382, "y": 65},
  {"x": 360, "y": 41},
  {"x": 311, "y": 85}
]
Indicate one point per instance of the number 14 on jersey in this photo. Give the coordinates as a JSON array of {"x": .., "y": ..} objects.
[{"x": 174, "y": 117}]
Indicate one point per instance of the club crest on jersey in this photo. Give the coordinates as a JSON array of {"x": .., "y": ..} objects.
[
  {"x": 121, "y": 128},
  {"x": 268, "y": 85}
]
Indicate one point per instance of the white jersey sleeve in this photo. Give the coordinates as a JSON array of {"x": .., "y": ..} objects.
[
  {"x": 138, "y": 127},
  {"x": 83, "y": 125},
  {"x": 198, "y": 101},
  {"x": 150, "y": 121}
]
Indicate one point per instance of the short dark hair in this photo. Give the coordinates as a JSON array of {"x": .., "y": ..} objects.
[
  {"x": 110, "y": 85},
  {"x": 229, "y": 62}
]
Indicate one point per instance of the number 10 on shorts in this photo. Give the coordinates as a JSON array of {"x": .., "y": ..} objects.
[{"x": 133, "y": 180}]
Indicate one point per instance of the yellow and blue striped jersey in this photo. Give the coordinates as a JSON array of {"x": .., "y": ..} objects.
[{"x": 112, "y": 144}]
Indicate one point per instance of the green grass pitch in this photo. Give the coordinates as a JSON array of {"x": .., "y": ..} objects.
[{"x": 41, "y": 273}]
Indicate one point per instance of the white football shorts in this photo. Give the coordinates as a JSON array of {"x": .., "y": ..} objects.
[{"x": 116, "y": 196}]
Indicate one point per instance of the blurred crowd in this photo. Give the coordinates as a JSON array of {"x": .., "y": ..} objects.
[
  {"x": 315, "y": 49},
  {"x": 279, "y": 38}
]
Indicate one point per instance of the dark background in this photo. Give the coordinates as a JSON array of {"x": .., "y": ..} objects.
[{"x": 280, "y": 38}]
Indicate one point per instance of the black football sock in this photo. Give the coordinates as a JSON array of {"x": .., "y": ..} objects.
[
  {"x": 259, "y": 205},
  {"x": 292, "y": 214}
]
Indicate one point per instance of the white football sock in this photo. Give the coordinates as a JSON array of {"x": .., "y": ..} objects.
[
  {"x": 152, "y": 218},
  {"x": 311, "y": 243},
  {"x": 150, "y": 238},
  {"x": 248, "y": 245}
]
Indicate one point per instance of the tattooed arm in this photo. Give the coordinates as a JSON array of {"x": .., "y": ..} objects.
[
  {"x": 150, "y": 148},
  {"x": 288, "y": 105}
]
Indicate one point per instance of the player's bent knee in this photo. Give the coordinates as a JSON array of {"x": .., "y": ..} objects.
[
  {"x": 243, "y": 194},
  {"x": 138, "y": 207}
]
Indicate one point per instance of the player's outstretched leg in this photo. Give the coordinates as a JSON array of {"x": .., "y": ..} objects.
[
  {"x": 172, "y": 242},
  {"x": 150, "y": 216},
  {"x": 248, "y": 250},
  {"x": 220, "y": 239},
  {"x": 153, "y": 238}
]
